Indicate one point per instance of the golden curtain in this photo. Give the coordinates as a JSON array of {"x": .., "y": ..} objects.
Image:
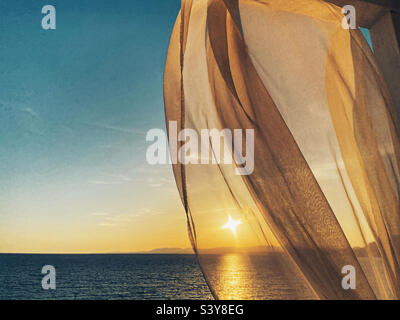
[{"x": 325, "y": 188}]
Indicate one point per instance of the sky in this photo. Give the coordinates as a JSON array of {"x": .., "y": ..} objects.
[
  {"x": 75, "y": 106},
  {"x": 367, "y": 36}
]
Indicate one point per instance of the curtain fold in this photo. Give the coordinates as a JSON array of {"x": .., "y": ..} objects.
[{"x": 324, "y": 192}]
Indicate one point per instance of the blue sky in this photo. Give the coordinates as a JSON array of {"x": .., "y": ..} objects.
[
  {"x": 93, "y": 82},
  {"x": 367, "y": 36},
  {"x": 75, "y": 105}
]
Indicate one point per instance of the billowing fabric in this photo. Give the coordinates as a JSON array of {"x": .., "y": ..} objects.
[{"x": 324, "y": 193}]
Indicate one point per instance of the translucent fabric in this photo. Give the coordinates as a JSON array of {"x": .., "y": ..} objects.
[{"x": 324, "y": 193}]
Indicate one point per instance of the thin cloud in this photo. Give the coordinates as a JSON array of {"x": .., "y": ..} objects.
[
  {"x": 117, "y": 219},
  {"x": 110, "y": 220},
  {"x": 106, "y": 224},
  {"x": 118, "y": 177},
  {"x": 149, "y": 212},
  {"x": 102, "y": 182},
  {"x": 159, "y": 182},
  {"x": 116, "y": 128},
  {"x": 31, "y": 112},
  {"x": 102, "y": 214},
  {"x": 106, "y": 146},
  {"x": 112, "y": 179},
  {"x": 155, "y": 185}
]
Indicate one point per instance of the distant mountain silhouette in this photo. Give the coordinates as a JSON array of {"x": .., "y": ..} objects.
[
  {"x": 359, "y": 251},
  {"x": 171, "y": 251},
  {"x": 219, "y": 250}
]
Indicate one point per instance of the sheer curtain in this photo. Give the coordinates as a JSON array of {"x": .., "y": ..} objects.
[{"x": 324, "y": 192}]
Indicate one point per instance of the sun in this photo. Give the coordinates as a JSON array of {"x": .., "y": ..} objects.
[{"x": 232, "y": 224}]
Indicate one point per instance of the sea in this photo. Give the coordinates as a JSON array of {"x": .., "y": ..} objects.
[
  {"x": 103, "y": 276},
  {"x": 149, "y": 277}
]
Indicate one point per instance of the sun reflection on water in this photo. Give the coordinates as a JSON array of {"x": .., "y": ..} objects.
[{"x": 252, "y": 276}]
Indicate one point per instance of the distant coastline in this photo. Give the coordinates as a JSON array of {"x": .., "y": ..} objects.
[{"x": 372, "y": 248}]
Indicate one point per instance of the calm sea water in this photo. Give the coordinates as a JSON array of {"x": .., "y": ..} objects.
[
  {"x": 103, "y": 276},
  {"x": 149, "y": 276}
]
